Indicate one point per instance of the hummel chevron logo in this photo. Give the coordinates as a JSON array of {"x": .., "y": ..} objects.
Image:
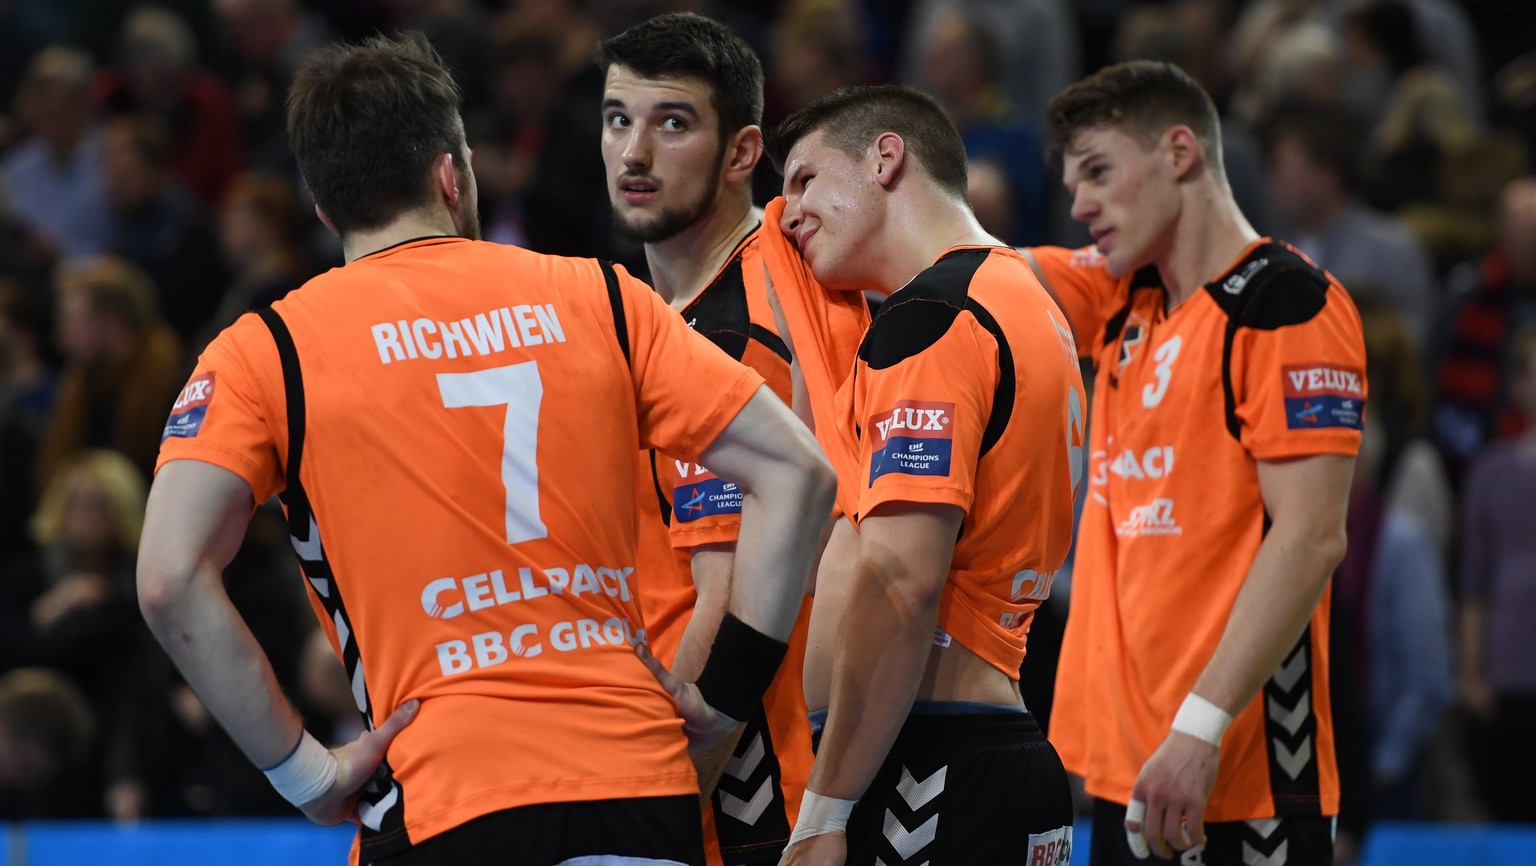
[
  {"x": 741, "y": 767},
  {"x": 1293, "y": 762},
  {"x": 1265, "y": 827},
  {"x": 747, "y": 811},
  {"x": 1290, "y": 673},
  {"x": 907, "y": 842},
  {"x": 309, "y": 551},
  {"x": 342, "y": 632},
  {"x": 1252, "y": 857},
  {"x": 372, "y": 814},
  {"x": 1293, "y": 719},
  {"x": 919, "y": 794}
]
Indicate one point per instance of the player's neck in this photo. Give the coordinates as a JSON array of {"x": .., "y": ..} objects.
[
  {"x": 682, "y": 266},
  {"x": 1207, "y": 240},
  {"x": 917, "y": 236},
  {"x": 408, "y": 227}
]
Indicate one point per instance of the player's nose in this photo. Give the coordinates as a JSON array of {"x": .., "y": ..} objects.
[{"x": 790, "y": 220}]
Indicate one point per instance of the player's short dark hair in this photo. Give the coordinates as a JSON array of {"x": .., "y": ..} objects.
[
  {"x": 852, "y": 118},
  {"x": 682, "y": 44},
  {"x": 1141, "y": 98},
  {"x": 367, "y": 121}
]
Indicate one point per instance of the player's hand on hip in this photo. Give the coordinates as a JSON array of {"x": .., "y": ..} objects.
[
  {"x": 356, "y": 763},
  {"x": 828, "y": 849},
  {"x": 1167, "y": 808},
  {"x": 712, "y": 735}
]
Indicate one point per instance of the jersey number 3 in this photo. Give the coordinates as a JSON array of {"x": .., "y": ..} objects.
[
  {"x": 1166, "y": 354},
  {"x": 519, "y": 388}
]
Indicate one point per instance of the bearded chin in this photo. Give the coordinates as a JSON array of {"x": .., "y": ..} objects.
[{"x": 670, "y": 222}]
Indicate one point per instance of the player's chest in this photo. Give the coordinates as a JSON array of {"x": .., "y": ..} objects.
[{"x": 1162, "y": 373}]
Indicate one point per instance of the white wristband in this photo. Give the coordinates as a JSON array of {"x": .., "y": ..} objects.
[
  {"x": 820, "y": 815},
  {"x": 1202, "y": 719},
  {"x": 306, "y": 773}
]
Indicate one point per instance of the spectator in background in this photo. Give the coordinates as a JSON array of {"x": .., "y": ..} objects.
[
  {"x": 819, "y": 46},
  {"x": 47, "y": 738},
  {"x": 1314, "y": 176},
  {"x": 460, "y": 31},
  {"x": 27, "y": 389},
  {"x": 259, "y": 237},
  {"x": 541, "y": 181},
  {"x": 55, "y": 174},
  {"x": 159, "y": 227},
  {"x": 962, "y": 67},
  {"x": 1037, "y": 46},
  {"x": 991, "y": 196},
  {"x": 267, "y": 39},
  {"x": 1390, "y": 645},
  {"x": 81, "y": 616},
  {"x": 156, "y": 73},
  {"x": 122, "y": 366},
  {"x": 1470, "y": 376},
  {"x": 1498, "y": 578}
]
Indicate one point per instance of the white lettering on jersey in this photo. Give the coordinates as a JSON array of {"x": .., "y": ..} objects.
[
  {"x": 907, "y": 418},
  {"x": 483, "y": 334},
  {"x": 1155, "y": 518},
  {"x": 1155, "y": 462},
  {"x": 448, "y": 597},
  {"x": 1326, "y": 379}
]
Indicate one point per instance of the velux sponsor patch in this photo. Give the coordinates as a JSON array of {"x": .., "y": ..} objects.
[
  {"x": 1323, "y": 395},
  {"x": 189, "y": 409},
  {"x": 913, "y": 438}
]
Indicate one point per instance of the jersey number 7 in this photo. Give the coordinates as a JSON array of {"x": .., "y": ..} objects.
[{"x": 519, "y": 388}]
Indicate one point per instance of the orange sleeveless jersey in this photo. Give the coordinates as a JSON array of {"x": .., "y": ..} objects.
[
  {"x": 694, "y": 507},
  {"x": 471, "y": 431},
  {"x": 966, "y": 391},
  {"x": 1266, "y": 362}
]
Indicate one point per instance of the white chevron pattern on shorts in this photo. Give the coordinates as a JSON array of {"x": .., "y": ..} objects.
[
  {"x": 1290, "y": 719},
  {"x": 1290, "y": 673},
  {"x": 747, "y": 811},
  {"x": 372, "y": 814},
  {"x": 1252, "y": 857},
  {"x": 1265, "y": 827},
  {"x": 909, "y": 842},
  {"x": 919, "y": 794},
  {"x": 743, "y": 767},
  {"x": 1293, "y": 762}
]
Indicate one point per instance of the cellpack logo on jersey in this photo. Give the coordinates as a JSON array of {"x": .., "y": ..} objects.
[
  {"x": 190, "y": 408},
  {"x": 1154, "y": 518},
  {"x": 697, "y": 492},
  {"x": 914, "y": 438},
  {"x": 1323, "y": 395}
]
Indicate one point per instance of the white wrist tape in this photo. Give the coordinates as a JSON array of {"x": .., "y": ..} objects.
[
  {"x": 1202, "y": 719},
  {"x": 306, "y": 773},
  {"x": 820, "y": 815}
]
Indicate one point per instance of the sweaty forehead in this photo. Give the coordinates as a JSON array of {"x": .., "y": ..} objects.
[{"x": 639, "y": 91}]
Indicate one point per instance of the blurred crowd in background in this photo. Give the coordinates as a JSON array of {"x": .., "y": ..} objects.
[{"x": 148, "y": 198}]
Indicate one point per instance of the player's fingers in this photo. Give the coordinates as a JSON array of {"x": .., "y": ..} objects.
[
  {"x": 402, "y": 716},
  {"x": 1173, "y": 828},
  {"x": 1152, "y": 827},
  {"x": 1194, "y": 826},
  {"x": 671, "y": 682},
  {"x": 1135, "y": 815}
]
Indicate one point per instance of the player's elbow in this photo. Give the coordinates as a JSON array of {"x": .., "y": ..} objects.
[
  {"x": 1329, "y": 544},
  {"x": 162, "y": 587}
]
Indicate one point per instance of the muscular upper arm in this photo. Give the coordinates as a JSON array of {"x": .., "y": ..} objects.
[
  {"x": 909, "y": 545},
  {"x": 762, "y": 439},
  {"x": 197, "y": 513},
  {"x": 1309, "y": 493}
]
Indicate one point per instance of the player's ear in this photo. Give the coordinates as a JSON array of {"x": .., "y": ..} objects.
[
  {"x": 1184, "y": 151},
  {"x": 445, "y": 180},
  {"x": 890, "y": 158},
  {"x": 743, "y": 151},
  {"x": 326, "y": 221}
]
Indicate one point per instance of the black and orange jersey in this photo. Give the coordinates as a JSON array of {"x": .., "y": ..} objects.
[
  {"x": 966, "y": 392},
  {"x": 1265, "y": 362},
  {"x": 774, "y": 757},
  {"x": 471, "y": 418}
]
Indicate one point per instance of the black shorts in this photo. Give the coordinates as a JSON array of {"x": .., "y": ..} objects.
[
  {"x": 1292, "y": 840},
  {"x": 965, "y": 784},
  {"x": 648, "y": 831},
  {"x": 748, "y": 803}
]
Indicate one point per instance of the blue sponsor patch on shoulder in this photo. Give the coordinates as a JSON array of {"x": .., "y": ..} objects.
[
  {"x": 1319, "y": 396},
  {"x": 705, "y": 497},
  {"x": 190, "y": 408},
  {"x": 913, "y": 438}
]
